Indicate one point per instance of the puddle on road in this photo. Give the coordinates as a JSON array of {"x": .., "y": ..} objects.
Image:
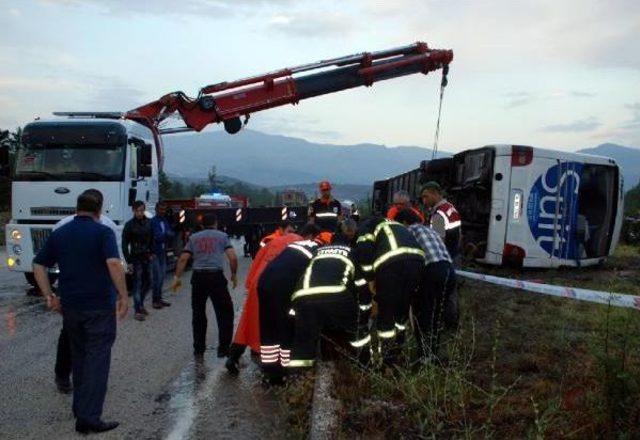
[{"x": 206, "y": 402}]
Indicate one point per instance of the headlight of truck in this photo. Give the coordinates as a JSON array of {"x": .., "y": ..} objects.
[
  {"x": 17, "y": 249},
  {"x": 16, "y": 235}
]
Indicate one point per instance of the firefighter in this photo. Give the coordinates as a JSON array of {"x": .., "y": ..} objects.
[
  {"x": 401, "y": 201},
  {"x": 284, "y": 227},
  {"x": 445, "y": 219},
  {"x": 331, "y": 295},
  {"x": 438, "y": 282},
  {"x": 391, "y": 261},
  {"x": 325, "y": 211},
  {"x": 275, "y": 287},
  {"x": 248, "y": 330}
]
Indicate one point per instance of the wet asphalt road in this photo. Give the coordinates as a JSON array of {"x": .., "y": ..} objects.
[{"x": 156, "y": 390}]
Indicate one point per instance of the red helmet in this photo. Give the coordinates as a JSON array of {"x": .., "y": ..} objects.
[{"x": 325, "y": 185}]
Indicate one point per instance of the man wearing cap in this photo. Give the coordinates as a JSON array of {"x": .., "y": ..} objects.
[
  {"x": 445, "y": 219},
  {"x": 325, "y": 211}
]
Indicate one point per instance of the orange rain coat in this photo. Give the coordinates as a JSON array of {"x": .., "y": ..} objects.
[{"x": 248, "y": 331}]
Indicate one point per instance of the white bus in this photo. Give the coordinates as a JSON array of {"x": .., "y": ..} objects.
[{"x": 525, "y": 206}]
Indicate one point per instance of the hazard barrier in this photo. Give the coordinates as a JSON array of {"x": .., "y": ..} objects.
[{"x": 608, "y": 298}]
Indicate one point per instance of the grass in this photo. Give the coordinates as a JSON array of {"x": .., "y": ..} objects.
[{"x": 521, "y": 365}]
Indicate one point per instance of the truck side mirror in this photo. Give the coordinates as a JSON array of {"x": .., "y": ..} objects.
[
  {"x": 144, "y": 162},
  {"x": 133, "y": 193}
]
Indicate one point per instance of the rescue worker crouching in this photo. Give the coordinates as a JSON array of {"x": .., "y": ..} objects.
[
  {"x": 332, "y": 295},
  {"x": 402, "y": 201},
  {"x": 445, "y": 219},
  {"x": 437, "y": 284},
  {"x": 284, "y": 227},
  {"x": 275, "y": 289},
  {"x": 392, "y": 260},
  {"x": 325, "y": 211}
]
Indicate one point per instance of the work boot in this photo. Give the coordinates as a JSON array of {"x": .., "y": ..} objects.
[
  {"x": 232, "y": 366},
  {"x": 64, "y": 385},
  {"x": 86, "y": 428}
]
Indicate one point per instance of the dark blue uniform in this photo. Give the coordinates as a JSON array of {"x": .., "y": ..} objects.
[{"x": 80, "y": 249}]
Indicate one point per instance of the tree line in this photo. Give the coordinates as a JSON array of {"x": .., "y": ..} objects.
[{"x": 177, "y": 189}]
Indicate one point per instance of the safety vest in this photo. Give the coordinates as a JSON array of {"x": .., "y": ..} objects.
[
  {"x": 387, "y": 242},
  {"x": 325, "y": 214},
  {"x": 333, "y": 270},
  {"x": 452, "y": 225}
]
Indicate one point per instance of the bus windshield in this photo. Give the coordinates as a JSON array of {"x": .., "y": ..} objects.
[{"x": 71, "y": 162}]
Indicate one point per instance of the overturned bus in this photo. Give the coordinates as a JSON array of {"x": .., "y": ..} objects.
[{"x": 525, "y": 206}]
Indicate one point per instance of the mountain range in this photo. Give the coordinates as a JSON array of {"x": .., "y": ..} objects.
[{"x": 281, "y": 161}]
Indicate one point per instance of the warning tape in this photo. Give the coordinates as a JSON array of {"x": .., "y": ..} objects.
[{"x": 608, "y": 298}]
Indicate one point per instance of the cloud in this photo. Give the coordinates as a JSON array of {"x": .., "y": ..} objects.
[
  {"x": 519, "y": 99},
  {"x": 580, "y": 94},
  {"x": 310, "y": 25},
  {"x": 634, "y": 122},
  {"x": 113, "y": 94},
  {"x": 577, "y": 126},
  {"x": 208, "y": 8}
]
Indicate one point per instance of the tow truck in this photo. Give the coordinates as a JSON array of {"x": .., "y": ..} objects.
[{"x": 121, "y": 153}]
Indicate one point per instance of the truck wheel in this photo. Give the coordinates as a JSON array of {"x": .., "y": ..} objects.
[{"x": 53, "y": 277}]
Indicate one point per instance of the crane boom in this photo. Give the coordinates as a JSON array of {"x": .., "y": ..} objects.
[{"x": 227, "y": 102}]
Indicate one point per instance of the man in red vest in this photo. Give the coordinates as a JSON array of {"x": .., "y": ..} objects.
[{"x": 445, "y": 219}]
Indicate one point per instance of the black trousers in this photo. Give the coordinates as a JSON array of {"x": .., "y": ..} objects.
[
  {"x": 396, "y": 283},
  {"x": 211, "y": 285},
  {"x": 276, "y": 325},
  {"x": 63, "y": 355},
  {"x": 91, "y": 334},
  {"x": 429, "y": 304},
  {"x": 451, "y": 303},
  {"x": 317, "y": 314}
]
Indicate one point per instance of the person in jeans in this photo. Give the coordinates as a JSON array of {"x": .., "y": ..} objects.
[
  {"x": 87, "y": 255},
  {"x": 208, "y": 248},
  {"x": 438, "y": 284},
  {"x": 162, "y": 235},
  {"x": 137, "y": 242}
]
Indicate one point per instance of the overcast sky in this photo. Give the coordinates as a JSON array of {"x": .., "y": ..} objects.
[{"x": 563, "y": 74}]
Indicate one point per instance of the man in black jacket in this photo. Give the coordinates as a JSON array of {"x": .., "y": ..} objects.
[{"x": 137, "y": 248}]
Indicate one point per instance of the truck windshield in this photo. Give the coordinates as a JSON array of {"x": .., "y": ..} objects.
[{"x": 70, "y": 162}]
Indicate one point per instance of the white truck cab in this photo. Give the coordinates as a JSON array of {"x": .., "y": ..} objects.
[{"x": 59, "y": 159}]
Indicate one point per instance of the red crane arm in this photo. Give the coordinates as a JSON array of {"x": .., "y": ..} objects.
[{"x": 226, "y": 102}]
